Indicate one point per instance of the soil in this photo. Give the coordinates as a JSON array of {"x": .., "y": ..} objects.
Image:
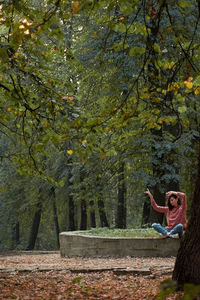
[
  {"x": 46, "y": 261},
  {"x": 45, "y": 275}
]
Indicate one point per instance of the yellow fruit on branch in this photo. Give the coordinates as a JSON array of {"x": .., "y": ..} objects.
[
  {"x": 188, "y": 84},
  {"x": 70, "y": 152}
]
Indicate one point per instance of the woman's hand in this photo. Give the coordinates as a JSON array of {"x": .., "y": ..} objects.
[
  {"x": 148, "y": 193},
  {"x": 168, "y": 194}
]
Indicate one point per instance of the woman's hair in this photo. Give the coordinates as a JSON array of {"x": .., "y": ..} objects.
[{"x": 168, "y": 201}]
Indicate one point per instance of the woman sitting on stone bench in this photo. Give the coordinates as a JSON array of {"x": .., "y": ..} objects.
[{"x": 175, "y": 213}]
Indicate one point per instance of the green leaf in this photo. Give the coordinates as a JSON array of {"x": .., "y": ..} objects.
[
  {"x": 126, "y": 9},
  {"x": 156, "y": 48},
  {"x": 3, "y": 53},
  {"x": 180, "y": 98},
  {"x": 136, "y": 51},
  {"x": 61, "y": 183},
  {"x": 184, "y": 4},
  {"x": 120, "y": 28},
  {"x": 182, "y": 109}
]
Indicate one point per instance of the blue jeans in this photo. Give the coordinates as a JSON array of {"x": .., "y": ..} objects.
[{"x": 177, "y": 229}]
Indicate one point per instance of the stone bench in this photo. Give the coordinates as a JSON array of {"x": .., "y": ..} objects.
[{"x": 77, "y": 245}]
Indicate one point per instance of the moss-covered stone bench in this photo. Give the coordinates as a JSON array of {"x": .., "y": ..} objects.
[{"x": 77, "y": 245}]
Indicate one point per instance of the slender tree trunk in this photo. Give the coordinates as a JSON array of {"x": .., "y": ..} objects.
[
  {"x": 101, "y": 206},
  {"x": 92, "y": 214},
  {"x": 161, "y": 155},
  {"x": 162, "y": 187},
  {"x": 157, "y": 134},
  {"x": 146, "y": 212},
  {"x": 55, "y": 216},
  {"x": 102, "y": 214},
  {"x": 83, "y": 224},
  {"x": 72, "y": 226},
  {"x": 35, "y": 227},
  {"x": 158, "y": 188},
  {"x": 160, "y": 200},
  {"x": 71, "y": 207},
  {"x": 15, "y": 234},
  {"x": 68, "y": 31},
  {"x": 187, "y": 266},
  {"x": 121, "y": 208}
]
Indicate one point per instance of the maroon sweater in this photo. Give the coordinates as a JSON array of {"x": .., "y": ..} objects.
[{"x": 176, "y": 215}]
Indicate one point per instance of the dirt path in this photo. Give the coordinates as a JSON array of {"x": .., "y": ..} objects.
[
  {"x": 45, "y": 262},
  {"x": 50, "y": 277}
]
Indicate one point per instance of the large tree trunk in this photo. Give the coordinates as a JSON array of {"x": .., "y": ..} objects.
[
  {"x": 35, "y": 226},
  {"x": 121, "y": 207},
  {"x": 187, "y": 266},
  {"x": 55, "y": 216}
]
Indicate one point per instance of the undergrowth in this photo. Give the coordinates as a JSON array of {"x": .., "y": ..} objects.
[{"x": 114, "y": 232}]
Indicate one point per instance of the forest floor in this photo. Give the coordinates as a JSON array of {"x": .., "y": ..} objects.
[{"x": 48, "y": 276}]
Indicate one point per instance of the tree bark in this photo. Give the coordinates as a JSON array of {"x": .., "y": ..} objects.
[
  {"x": 15, "y": 234},
  {"x": 55, "y": 216},
  {"x": 161, "y": 188},
  {"x": 187, "y": 266},
  {"x": 71, "y": 213},
  {"x": 35, "y": 226},
  {"x": 146, "y": 212},
  {"x": 83, "y": 224},
  {"x": 71, "y": 208},
  {"x": 102, "y": 214},
  {"x": 92, "y": 214},
  {"x": 161, "y": 155},
  {"x": 121, "y": 208},
  {"x": 157, "y": 217}
]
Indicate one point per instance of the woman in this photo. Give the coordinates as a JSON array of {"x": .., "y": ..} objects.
[{"x": 175, "y": 213}]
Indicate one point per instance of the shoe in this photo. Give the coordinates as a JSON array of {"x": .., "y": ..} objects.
[
  {"x": 164, "y": 235},
  {"x": 174, "y": 236}
]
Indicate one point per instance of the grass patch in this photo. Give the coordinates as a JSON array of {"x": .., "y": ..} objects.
[{"x": 107, "y": 232}]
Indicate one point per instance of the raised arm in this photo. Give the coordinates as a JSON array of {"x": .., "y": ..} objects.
[
  {"x": 158, "y": 208},
  {"x": 179, "y": 194},
  {"x": 184, "y": 199}
]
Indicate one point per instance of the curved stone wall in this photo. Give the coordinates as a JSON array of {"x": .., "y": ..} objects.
[{"x": 75, "y": 245}]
